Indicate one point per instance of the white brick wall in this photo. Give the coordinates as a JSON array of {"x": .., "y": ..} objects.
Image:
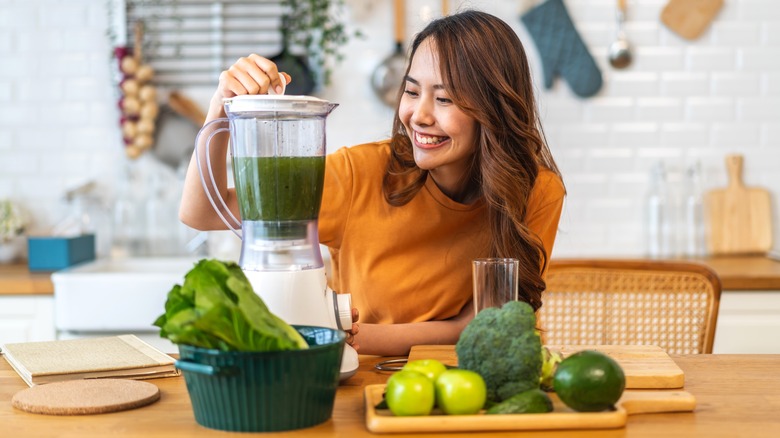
[{"x": 679, "y": 102}]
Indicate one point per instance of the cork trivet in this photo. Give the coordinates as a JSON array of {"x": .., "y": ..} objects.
[{"x": 83, "y": 397}]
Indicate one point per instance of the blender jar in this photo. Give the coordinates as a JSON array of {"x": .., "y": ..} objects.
[{"x": 278, "y": 148}]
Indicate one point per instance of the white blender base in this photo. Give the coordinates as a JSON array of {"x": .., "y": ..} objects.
[{"x": 304, "y": 298}]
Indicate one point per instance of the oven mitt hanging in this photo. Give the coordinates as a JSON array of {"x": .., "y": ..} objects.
[{"x": 561, "y": 48}]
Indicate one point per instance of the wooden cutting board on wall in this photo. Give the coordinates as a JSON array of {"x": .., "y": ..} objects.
[
  {"x": 740, "y": 217},
  {"x": 690, "y": 18}
]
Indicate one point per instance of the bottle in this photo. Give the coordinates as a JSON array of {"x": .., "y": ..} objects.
[
  {"x": 657, "y": 214},
  {"x": 694, "y": 227}
]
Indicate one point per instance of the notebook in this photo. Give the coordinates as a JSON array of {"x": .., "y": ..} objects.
[{"x": 123, "y": 356}]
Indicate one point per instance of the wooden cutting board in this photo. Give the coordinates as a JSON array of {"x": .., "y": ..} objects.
[
  {"x": 561, "y": 418},
  {"x": 740, "y": 217},
  {"x": 645, "y": 366},
  {"x": 690, "y": 18}
]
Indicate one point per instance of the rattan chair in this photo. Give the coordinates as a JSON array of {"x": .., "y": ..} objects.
[{"x": 672, "y": 304}]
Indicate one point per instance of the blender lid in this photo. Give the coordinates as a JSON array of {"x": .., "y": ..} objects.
[{"x": 267, "y": 102}]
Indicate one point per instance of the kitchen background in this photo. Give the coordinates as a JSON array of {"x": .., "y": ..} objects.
[{"x": 680, "y": 102}]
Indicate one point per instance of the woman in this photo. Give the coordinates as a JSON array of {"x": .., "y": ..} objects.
[{"x": 466, "y": 174}]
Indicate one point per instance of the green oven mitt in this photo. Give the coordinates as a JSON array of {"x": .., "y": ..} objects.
[{"x": 561, "y": 48}]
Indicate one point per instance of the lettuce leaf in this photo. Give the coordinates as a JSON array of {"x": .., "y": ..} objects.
[{"x": 217, "y": 308}]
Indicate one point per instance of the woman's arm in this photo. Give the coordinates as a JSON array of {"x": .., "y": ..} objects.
[
  {"x": 250, "y": 75},
  {"x": 398, "y": 339}
]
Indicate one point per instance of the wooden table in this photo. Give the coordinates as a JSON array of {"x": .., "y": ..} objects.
[{"x": 738, "y": 396}]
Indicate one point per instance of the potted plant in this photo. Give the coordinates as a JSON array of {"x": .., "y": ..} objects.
[
  {"x": 316, "y": 27},
  {"x": 12, "y": 224}
]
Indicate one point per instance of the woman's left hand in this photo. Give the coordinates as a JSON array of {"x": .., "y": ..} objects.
[{"x": 351, "y": 334}]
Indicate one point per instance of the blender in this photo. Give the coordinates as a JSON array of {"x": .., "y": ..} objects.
[{"x": 277, "y": 143}]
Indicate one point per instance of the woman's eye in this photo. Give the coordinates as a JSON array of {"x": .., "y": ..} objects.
[
  {"x": 410, "y": 93},
  {"x": 443, "y": 100}
]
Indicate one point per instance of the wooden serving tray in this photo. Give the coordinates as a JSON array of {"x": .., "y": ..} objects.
[
  {"x": 562, "y": 418},
  {"x": 645, "y": 366}
]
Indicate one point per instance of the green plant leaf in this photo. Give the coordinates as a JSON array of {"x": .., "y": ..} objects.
[{"x": 216, "y": 307}]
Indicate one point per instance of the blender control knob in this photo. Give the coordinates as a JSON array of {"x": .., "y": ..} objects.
[{"x": 344, "y": 308}]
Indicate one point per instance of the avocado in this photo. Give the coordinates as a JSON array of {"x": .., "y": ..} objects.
[{"x": 589, "y": 381}]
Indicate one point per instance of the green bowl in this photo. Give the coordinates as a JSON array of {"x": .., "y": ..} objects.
[{"x": 264, "y": 391}]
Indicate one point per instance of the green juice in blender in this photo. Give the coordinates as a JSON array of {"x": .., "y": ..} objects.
[{"x": 281, "y": 193}]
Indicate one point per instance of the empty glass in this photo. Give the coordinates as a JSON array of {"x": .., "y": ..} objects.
[{"x": 495, "y": 282}]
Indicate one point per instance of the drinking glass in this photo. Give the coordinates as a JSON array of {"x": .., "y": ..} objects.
[{"x": 495, "y": 282}]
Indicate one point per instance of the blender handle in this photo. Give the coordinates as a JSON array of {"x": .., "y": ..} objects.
[{"x": 209, "y": 130}]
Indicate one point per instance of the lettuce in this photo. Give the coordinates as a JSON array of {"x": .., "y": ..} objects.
[{"x": 217, "y": 308}]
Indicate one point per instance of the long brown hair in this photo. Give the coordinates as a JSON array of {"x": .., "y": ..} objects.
[{"x": 485, "y": 71}]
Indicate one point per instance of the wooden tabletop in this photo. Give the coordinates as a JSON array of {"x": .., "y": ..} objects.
[{"x": 737, "y": 395}]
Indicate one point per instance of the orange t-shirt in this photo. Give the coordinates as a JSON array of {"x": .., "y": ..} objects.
[{"x": 410, "y": 263}]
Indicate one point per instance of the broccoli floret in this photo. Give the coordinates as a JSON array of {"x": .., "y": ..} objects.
[{"x": 504, "y": 347}]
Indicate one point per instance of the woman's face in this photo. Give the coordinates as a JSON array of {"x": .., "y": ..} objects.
[{"x": 444, "y": 137}]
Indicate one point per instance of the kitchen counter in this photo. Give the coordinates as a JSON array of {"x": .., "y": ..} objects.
[
  {"x": 16, "y": 279},
  {"x": 745, "y": 273},
  {"x": 737, "y": 395},
  {"x": 736, "y": 273}
]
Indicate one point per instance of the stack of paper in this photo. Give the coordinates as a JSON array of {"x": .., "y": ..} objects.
[{"x": 124, "y": 356}]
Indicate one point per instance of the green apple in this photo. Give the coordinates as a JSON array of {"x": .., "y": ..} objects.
[
  {"x": 430, "y": 367},
  {"x": 460, "y": 392},
  {"x": 410, "y": 393}
]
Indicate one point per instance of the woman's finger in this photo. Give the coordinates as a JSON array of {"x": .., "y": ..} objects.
[
  {"x": 355, "y": 314},
  {"x": 352, "y": 341}
]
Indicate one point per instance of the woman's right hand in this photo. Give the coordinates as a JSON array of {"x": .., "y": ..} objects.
[{"x": 252, "y": 74}]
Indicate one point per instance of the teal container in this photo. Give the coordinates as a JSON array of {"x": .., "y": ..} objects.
[
  {"x": 55, "y": 253},
  {"x": 265, "y": 391}
]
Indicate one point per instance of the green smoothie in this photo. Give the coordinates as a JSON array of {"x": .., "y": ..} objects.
[{"x": 279, "y": 189}]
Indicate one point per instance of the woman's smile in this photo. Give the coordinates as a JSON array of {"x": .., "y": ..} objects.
[{"x": 426, "y": 141}]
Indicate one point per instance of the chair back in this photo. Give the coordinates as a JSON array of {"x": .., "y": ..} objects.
[{"x": 671, "y": 304}]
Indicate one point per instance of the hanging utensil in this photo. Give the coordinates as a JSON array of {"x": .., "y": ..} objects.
[
  {"x": 186, "y": 107},
  {"x": 620, "y": 50},
  {"x": 387, "y": 77}
]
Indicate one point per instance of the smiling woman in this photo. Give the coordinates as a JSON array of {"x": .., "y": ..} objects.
[{"x": 467, "y": 174}]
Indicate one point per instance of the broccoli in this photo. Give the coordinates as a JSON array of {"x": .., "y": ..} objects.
[{"x": 504, "y": 347}]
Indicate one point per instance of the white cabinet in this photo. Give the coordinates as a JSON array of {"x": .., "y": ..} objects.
[
  {"x": 748, "y": 322},
  {"x": 26, "y": 318}
]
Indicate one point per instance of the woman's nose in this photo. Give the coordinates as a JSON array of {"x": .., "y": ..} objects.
[{"x": 422, "y": 114}]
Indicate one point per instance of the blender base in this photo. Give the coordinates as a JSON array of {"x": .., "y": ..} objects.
[{"x": 304, "y": 298}]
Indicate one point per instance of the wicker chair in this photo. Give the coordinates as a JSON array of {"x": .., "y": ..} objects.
[{"x": 672, "y": 304}]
